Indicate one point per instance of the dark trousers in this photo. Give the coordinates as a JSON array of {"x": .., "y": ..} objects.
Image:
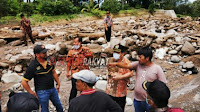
[
  {"x": 30, "y": 36},
  {"x": 108, "y": 34},
  {"x": 73, "y": 92},
  {"x": 120, "y": 100}
]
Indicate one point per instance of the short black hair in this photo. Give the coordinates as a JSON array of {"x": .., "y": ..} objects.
[
  {"x": 147, "y": 52},
  {"x": 21, "y": 15},
  {"x": 79, "y": 39},
  {"x": 159, "y": 92}
]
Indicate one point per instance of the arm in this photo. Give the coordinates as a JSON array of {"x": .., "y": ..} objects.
[
  {"x": 121, "y": 65},
  {"x": 106, "y": 26},
  {"x": 27, "y": 87},
  {"x": 57, "y": 80},
  {"x": 125, "y": 76}
]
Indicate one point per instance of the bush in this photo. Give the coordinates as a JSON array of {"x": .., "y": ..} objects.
[
  {"x": 27, "y": 8},
  {"x": 151, "y": 8},
  {"x": 111, "y": 5},
  {"x": 57, "y": 7},
  {"x": 96, "y": 13}
]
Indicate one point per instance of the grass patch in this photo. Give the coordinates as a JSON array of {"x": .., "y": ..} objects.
[{"x": 38, "y": 18}]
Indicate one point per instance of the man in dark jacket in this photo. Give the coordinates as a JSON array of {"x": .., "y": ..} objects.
[
  {"x": 91, "y": 100},
  {"x": 157, "y": 96}
]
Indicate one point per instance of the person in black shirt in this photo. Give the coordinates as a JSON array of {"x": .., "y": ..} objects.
[
  {"x": 44, "y": 75},
  {"x": 91, "y": 100}
]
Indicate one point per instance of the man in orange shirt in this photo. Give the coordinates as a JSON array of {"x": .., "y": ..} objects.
[
  {"x": 75, "y": 62},
  {"x": 118, "y": 77}
]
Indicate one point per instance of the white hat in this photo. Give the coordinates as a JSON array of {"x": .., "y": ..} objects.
[{"x": 86, "y": 76}]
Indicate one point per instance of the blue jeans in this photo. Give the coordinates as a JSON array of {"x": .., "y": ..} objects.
[
  {"x": 50, "y": 94},
  {"x": 141, "y": 106}
]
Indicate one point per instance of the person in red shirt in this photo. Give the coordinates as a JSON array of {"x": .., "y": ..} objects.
[
  {"x": 157, "y": 97},
  {"x": 26, "y": 29}
]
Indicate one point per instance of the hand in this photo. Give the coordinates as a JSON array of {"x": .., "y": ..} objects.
[
  {"x": 106, "y": 29},
  {"x": 58, "y": 87},
  {"x": 69, "y": 76},
  {"x": 117, "y": 77}
]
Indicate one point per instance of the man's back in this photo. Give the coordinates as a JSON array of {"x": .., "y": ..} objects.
[{"x": 95, "y": 102}]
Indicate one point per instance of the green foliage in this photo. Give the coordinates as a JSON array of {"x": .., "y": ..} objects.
[
  {"x": 27, "y": 8},
  {"x": 57, "y": 7},
  {"x": 111, "y": 5},
  {"x": 151, "y": 8}
]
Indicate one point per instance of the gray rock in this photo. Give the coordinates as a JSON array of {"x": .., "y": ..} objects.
[
  {"x": 126, "y": 41},
  {"x": 188, "y": 48},
  {"x": 86, "y": 40},
  {"x": 129, "y": 101},
  {"x": 188, "y": 65},
  {"x": 179, "y": 48},
  {"x": 114, "y": 42},
  {"x": 4, "y": 65},
  {"x": 16, "y": 86},
  {"x": 101, "y": 40},
  {"x": 181, "y": 63},
  {"x": 2, "y": 42},
  {"x": 172, "y": 52},
  {"x": 128, "y": 56},
  {"x": 175, "y": 59},
  {"x": 94, "y": 46},
  {"x": 179, "y": 40},
  {"x": 11, "y": 77},
  {"x": 18, "y": 68},
  {"x": 16, "y": 43},
  {"x": 104, "y": 77},
  {"x": 134, "y": 55},
  {"x": 101, "y": 85}
]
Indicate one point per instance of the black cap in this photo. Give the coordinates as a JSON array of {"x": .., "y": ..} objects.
[
  {"x": 22, "y": 102},
  {"x": 119, "y": 48},
  {"x": 39, "y": 49},
  {"x": 157, "y": 90}
]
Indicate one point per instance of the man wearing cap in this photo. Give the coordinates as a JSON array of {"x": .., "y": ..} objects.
[
  {"x": 44, "y": 75},
  {"x": 158, "y": 95},
  {"x": 145, "y": 70},
  {"x": 22, "y": 102},
  {"x": 118, "y": 77},
  {"x": 91, "y": 100},
  {"x": 108, "y": 23},
  {"x": 75, "y": 62}
]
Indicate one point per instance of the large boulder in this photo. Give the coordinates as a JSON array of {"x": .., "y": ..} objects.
[
  {"x": 188, "y": 48},
  {"x": 11, "y": 77}
]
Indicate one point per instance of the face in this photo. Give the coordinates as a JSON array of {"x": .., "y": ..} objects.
[
  {"x": 108, "y": 14},
  {"x": 76, "y": 42},
  {"x": 80, "y": 85},
  {"x": 142, "y": 59},
  {"x": 150, "y": 101},
  {"x": 42, "y": 55}
]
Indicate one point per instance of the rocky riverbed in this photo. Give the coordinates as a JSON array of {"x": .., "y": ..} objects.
[{"x": 175, "y": 41}]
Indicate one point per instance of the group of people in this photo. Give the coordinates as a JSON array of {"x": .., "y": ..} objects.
[{"x": 151, "y": 93}]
